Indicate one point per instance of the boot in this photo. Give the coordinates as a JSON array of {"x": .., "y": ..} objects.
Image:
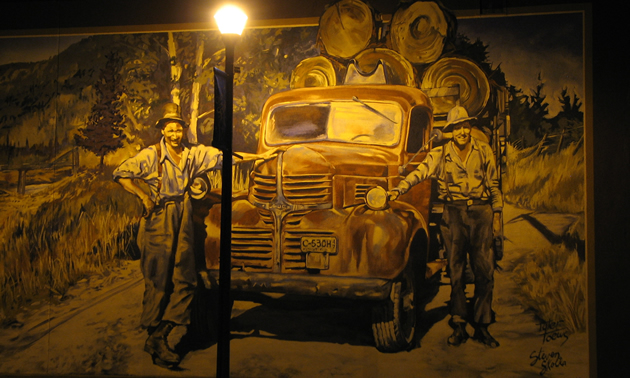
[
  {"x": 459, "y": 335},
  {"x": 483, "y": 336},
  {"x": 157, "y": 346}
]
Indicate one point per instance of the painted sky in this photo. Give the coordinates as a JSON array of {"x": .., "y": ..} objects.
[{"x": 525, "y": 46}]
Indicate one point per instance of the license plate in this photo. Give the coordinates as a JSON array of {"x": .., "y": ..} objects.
[{"x": 322, "y": 244}]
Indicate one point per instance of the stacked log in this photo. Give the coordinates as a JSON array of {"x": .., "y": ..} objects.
[
  {"x": 316, "y": 71},
  {"x": 453, "y": 72},
  {"x": 418, "y": 31},
  {"x": 346, "y": 28}
]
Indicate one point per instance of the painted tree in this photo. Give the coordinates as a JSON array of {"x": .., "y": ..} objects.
[
  {"x": 570, "y": 106},
  {"x": 523, "y": 132},
  {"x": 104, "y": 130},
  {"x": 570, "y": 120},
  {"x": 539, "y": 111},
  {"x": 146, "y": 74},
  {"x": 266, "y": 58}
]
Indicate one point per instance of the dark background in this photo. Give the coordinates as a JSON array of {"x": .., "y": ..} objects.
[{"x": 611, "y": 146}]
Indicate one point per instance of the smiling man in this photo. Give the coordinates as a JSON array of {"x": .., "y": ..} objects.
[
  {"x": 165, "y": 237},
  {"x": 468, "y": 185}
]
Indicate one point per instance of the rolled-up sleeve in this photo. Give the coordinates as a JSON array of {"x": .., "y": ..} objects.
[
  {"x": 141, "y": 166},
  {"x": 205, "y": 159}
]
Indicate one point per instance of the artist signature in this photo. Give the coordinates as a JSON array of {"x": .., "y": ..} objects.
[
  {"x": 552, "y": 331},
  {"x": 546, "y": 360}
]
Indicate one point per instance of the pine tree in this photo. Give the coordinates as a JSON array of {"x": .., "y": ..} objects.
[
  {"x": 570, "y": 119},
  {"x": 570, "y": 106},
  {"x": 104, "y": 130},
  {"x": 539, "y": 110}
]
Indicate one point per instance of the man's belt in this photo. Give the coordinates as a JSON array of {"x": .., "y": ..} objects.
[
  {"x": 469, "y": 202},
  {"x": 165, "y": 201}
]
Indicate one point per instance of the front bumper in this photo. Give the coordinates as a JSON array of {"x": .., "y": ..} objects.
[{"x": 313, "y": 285}]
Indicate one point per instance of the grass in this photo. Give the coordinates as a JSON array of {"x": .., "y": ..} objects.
[
  {"x": 545, "y": 182},
  {"x": 551, "y": 281},
  {"x": 79, "y": 226}
]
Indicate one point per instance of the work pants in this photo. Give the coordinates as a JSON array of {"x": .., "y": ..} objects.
[
  {"x": 166, "y": 243},
  {"x": 467, "y": 230}
]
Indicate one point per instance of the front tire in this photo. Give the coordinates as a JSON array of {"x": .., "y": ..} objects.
[{"x": 394, "y": 320}]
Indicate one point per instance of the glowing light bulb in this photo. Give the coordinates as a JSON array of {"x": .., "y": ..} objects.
[{"x": 231, "y": 20}]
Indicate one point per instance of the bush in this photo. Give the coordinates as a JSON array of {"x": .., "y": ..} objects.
[
  {"x": 78, "y": 227},
  {"x": 545, "y": 182},
  {"x": 552, "y": 282}
]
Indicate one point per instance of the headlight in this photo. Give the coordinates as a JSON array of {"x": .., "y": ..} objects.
[{"x": 376, "y": 198}]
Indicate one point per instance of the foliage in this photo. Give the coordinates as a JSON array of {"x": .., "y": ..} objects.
[
  {"x": 545, "y": 182},
  {"x": 146, "y": 77},
  {"x": 104, "y": 131},
  {"x": 531, "y": 123},
  {"x": 552, "y": 282},
  {"x": 77, "y": 227}
]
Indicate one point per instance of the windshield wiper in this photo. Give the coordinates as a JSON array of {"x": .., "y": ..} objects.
[{"x": 355, "y": 98}]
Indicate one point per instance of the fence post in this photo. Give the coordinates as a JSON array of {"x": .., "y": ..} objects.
[
  {"x": 21, "y": 187},
  {"x": 75, "y": 161}
]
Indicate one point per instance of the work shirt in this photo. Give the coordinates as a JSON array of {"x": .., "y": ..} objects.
[
  {"x": 176, "y": 178},
  {"x": 474, "y": 178}
]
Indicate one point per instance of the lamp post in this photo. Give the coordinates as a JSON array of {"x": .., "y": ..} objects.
[{"x": 231, "y": 22}]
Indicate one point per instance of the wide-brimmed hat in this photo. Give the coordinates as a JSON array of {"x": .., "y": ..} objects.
[
  {"x": 171, "y": 113},
  {"x": 457, "y": 114}
]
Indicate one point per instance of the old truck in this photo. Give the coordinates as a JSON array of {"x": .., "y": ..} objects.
[{"x": 316, "y": 220}]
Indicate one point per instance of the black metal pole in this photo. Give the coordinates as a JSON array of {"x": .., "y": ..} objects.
[{"x": 225, "y": 258}]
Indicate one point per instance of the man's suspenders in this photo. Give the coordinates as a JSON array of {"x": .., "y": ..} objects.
[{"x": 158, "y": 148}]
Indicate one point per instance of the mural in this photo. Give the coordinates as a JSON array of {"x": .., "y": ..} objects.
[{"x": 361, "y": 141}]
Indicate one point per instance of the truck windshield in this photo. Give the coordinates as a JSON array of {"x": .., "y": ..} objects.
[{"x": 362, "y": 122}]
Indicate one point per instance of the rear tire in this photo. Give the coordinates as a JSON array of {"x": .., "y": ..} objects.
[{"x": 394, "y": 320}]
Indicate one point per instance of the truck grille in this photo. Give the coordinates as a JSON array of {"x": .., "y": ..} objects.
[
  {"x": 304, "y": 189},
  {"x": 360, "y": 191},
  {"x": 252, "y": 249},
  {"x": 264, "y": 187},
  {"x": 297, "y": 189}
]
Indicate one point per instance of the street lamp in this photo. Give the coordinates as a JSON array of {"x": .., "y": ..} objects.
[{"x": 231, "y": 21}]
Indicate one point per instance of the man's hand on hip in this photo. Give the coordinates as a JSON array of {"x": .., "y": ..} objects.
[{"x": 148, "y": 205}]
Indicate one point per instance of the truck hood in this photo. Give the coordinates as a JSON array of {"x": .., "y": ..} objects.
[{"x": 351, "y": 160}]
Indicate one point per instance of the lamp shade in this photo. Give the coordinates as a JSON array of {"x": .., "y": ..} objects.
[{"x": 231, "y": 20}]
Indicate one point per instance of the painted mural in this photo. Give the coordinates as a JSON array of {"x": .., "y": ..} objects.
[{"x": 408, "y": 199}]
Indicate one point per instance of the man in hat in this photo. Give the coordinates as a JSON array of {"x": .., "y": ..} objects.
[
  {"x": 165, "y": 237},
  {"x": 468, "y": 185}
]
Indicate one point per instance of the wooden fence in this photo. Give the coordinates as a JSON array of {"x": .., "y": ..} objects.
[{"x": 68, "y": 158}]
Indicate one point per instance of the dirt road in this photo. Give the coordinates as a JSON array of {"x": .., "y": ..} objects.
[{"x": 95, "y": 331}]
